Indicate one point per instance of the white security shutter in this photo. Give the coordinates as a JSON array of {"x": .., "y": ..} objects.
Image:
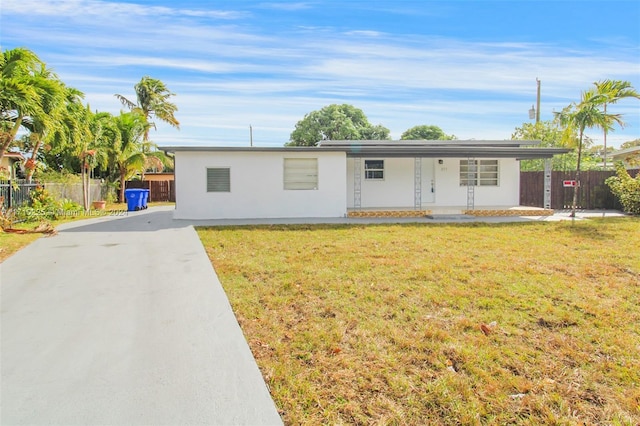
[{"x": 300, "y": 173}]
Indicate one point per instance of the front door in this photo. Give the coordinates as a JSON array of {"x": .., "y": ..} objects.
[{"x": 428, "y": 195}]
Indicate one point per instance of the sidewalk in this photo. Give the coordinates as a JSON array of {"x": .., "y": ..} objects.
[{"x": 122, "y": 320}]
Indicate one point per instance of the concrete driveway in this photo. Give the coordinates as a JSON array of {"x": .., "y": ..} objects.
[{"x": 122, "y": 320}]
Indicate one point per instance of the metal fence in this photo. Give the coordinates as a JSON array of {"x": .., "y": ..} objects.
[
  {"x": 15, "y": 193},
  {"x": 61, "y": 191}
]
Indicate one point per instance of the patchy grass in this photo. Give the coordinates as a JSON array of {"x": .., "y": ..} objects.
[{"x": 441, "y": 324}]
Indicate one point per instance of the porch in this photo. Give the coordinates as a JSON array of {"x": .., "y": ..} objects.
[{"x": 485, "y": 211}]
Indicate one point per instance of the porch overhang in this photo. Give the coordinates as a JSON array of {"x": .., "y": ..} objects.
[{"x": 520, "y": 150}]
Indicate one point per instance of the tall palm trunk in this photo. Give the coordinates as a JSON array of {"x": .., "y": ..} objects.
[
  {"x": 122, "y": 182},
  {"x": 577, "y": 187},
  {"x": 34, "y": 153}
]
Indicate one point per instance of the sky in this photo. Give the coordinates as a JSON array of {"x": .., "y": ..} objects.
[{"x": 468, "y": 67}]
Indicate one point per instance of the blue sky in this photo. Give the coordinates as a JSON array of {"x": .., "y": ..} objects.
[{"x": 469, "y": 67}]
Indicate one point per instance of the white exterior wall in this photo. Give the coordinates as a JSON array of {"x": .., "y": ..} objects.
[
  {"x": 397, "y": 188},
  {"x": 257, "y": 186},
  {"x": 449, "y": 193}
]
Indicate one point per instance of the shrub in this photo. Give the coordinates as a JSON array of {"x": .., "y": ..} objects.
[
  {"x": 45, "y": 207},
  {"x": 626, "y": 189},
  {"x": 42, "y": 199}
]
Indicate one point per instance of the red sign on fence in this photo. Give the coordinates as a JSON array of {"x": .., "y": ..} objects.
[{"x": 569, "y": 183}]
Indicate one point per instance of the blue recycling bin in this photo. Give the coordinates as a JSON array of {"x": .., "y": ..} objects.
[
  {"x": 145, "y": 197},
  {"x": 135, "y": 197}
]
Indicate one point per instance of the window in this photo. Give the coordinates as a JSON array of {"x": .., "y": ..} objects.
[
  {"x": 479, "y": 172},
  {"x": 300, "y": 173},
  {"x": 218, "y": 180},
  {"x": 374, "y": 169}
]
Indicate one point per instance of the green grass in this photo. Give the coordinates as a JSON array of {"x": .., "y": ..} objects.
[{"x": 381, "y": 324}]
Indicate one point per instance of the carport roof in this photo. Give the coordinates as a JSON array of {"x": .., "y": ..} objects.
[{"x": 423, "y": 148}]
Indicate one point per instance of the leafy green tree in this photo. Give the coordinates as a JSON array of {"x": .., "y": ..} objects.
[
  {"x": 550, "y": 135},
  {"x": 152, "y": 101},
  {"x": 630, "y": 144},
  {"x": 425, "y": 132},
  {"x": 583, "y": 115},
  {"x": 335, "y": 122}
]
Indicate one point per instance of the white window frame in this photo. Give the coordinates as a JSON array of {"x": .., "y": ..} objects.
[
  {"x": 223, "y": 183},
  {"x": 300, "y": 174},
  {"x": 486, "y": 173},
  {"x": 373, "y": 173}
]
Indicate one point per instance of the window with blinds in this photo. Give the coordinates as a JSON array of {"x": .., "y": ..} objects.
[
  {"x": 218, "y": 179},
  {"x": 479, "y": 172},
  {"x": 300, "y": 173}
]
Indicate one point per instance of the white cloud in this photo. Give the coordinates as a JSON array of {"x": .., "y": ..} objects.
[
  {"x": 229, "y": 71},
  {"x": 97, "y": 8}
]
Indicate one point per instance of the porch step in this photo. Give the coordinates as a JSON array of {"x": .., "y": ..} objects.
[
  {"x": 510, "y": 212},
  {"x": 389, "y": 213},
  {"x": 449, "y": 216}
]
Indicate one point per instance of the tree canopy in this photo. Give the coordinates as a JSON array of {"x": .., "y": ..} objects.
[
  {"x": 425, "y": 132},
  {"x": 42, "y": 116},
  {"x": 336, "y": 122}
]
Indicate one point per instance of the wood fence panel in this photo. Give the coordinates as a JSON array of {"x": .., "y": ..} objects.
[
  {"x": 159, "y": 191},
  {"x": 593, "y": 194}
]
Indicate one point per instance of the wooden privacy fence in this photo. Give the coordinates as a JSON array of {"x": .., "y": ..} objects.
[
  {"x": 593, "y": 192},
  {"x": 163, "y": 190}
]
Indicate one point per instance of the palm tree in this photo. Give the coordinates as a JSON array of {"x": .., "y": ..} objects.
[
  {"x": 101, "y": 132},
  {"x": 612, "y": 91},
  {"x": 57, "y": 117},
  {"x": 152, "y": 100},
  {"x": 20, "y": 95},
  {"x": 586, "y": 114},
  {"x": 127, "y": 153}
]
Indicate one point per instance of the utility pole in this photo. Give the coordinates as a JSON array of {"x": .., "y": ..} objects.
[
  {"x": 538, "y": 102},
  {"x": 250, "y": 135},
  {"x": 534, "y": 112}
]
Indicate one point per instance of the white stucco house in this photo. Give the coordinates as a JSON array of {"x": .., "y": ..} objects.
[{"x": 340, "y": 178}]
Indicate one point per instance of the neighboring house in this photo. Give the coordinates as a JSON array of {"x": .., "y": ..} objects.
[
  {"x": 8, "y": 165},
  {"x": 630, "y": 157},
  {"x": 158, "y": 176},
  {"x": 340, "y": 177}
]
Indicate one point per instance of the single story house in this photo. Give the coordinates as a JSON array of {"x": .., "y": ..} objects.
[
  {"x": 8, "y": 165},
  {"x": 158, "y": 176},
  {"x": 341, "y": 178},
  {"x": 630, "y": 157}
]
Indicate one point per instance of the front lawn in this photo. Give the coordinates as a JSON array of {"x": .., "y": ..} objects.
[{"x": 535, "y": 323}]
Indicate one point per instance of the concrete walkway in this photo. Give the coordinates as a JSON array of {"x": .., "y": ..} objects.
[{"x": 122, "y": 320}]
